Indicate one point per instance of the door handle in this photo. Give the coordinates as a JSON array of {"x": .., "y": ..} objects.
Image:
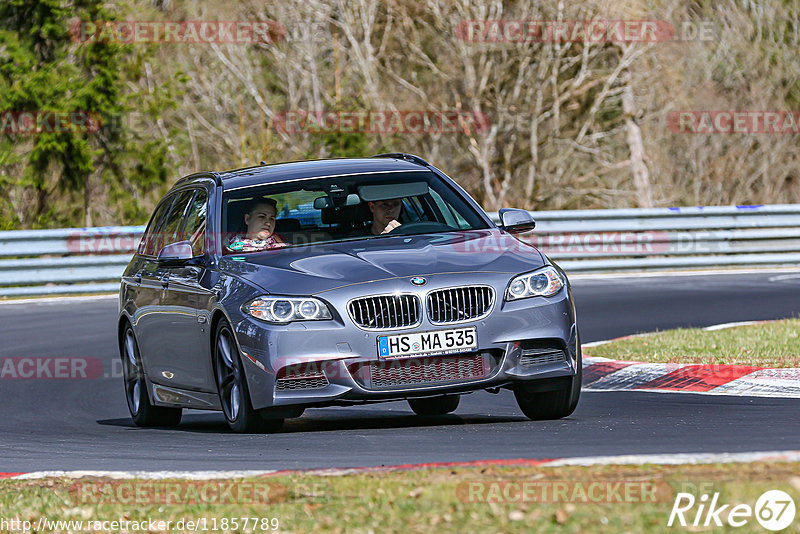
[{"x": 165, "y": 281}]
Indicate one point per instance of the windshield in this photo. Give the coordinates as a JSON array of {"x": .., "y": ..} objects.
[{"x": 325, "y": 210}]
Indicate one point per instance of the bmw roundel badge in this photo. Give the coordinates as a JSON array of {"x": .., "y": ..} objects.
[{"x": 418, "y": 281}]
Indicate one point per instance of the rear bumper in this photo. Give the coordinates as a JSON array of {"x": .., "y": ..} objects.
[{"x": 340, "y": 361}]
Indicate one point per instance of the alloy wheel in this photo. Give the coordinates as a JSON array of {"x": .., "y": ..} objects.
[
  {"x": 228, "y": 375},
  {"x": 132, "y": 369}
]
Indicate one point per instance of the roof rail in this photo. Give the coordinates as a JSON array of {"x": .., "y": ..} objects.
[
  {"x": 400, "y": 155},
  {"x": 204, "y": 174}
]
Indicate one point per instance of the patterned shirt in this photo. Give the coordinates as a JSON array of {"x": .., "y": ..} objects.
[{"x": 242, "y": 243}]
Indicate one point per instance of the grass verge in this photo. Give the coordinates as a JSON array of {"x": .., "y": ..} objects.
[
  {"x": 770, "y": 344},
  {"x": 592, "y": 499}
]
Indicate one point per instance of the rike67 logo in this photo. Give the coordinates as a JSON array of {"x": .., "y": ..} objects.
[{"x": 774, "y": 510}]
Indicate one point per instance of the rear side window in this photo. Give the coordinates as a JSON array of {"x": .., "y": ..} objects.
[
  {"x": 195, "y": 229},
  {"x": 151, "y": 238},
  {"x": 177, "y": 216}
]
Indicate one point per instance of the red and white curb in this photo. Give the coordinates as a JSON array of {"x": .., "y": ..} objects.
[
  {"x": 603, "y": 374},
  {"x": 638, "y": 459},
  {"x": 679, "y": 459}
]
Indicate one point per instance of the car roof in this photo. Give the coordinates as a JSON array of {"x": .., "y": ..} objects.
[{"x": 265, "y": 174}]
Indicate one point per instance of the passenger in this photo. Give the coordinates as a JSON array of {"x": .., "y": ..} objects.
[
  {"x": 385, "y": 215},
  {"x": 259, "y": 219}
]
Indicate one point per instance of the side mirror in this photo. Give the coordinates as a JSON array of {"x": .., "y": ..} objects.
[
  {"x": 516, "y": 221},
  {"x": 176, "y": 253}
]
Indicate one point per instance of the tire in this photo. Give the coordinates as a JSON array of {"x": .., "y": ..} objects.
[
  {"x": 234, "y": 395},
  {"x": 435, "y": 405},
  {"x": 558, "y": 402},
  {"x": 143, "y": 412}
]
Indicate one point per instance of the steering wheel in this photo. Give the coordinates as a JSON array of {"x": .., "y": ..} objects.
[{"x": 420, "y": 227}]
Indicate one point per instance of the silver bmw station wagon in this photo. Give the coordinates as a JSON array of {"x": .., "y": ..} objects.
[{"x": 263, "y": 291}]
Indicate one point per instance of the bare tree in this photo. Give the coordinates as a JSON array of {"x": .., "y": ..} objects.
[{"x": 572, "y": 123}]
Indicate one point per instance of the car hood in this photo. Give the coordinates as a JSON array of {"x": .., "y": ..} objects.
[{"x": 307, "y": 270}]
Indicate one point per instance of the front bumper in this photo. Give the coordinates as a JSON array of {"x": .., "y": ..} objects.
[{"x": 337, "y": 355}]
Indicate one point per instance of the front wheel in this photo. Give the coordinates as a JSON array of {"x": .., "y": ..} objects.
[
  {"x": 142, "y": 411},
  {"x": 435, "y": 405},
  {"x": 234, "y": 394},
  {"x": 560, "y": 399}
]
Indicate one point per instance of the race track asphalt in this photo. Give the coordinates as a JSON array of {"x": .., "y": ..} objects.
[{"x": 84, "y": 424}]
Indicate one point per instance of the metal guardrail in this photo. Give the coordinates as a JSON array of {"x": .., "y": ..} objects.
[
  {"x": 66, "y": 260},
  {"x": 89, "y": 260}
]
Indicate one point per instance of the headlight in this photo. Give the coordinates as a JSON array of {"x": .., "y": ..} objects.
[
  {"x": 545, "y": 282},
  {"x": 287, "y": 309}
]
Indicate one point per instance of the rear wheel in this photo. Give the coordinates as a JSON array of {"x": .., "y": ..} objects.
[
  {"x": 434, "y": 405},
  {"x": 142, "y": 411},
  {"x": 232, "y": 385}
]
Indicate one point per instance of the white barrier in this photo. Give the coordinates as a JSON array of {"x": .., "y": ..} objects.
[{"x": 88, "y": 260}]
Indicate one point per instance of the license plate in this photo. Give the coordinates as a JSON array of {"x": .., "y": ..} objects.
[{"x": 428, "y": 343}]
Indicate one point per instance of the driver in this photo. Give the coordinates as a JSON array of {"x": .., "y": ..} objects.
[{"x": 385, "y": 215}]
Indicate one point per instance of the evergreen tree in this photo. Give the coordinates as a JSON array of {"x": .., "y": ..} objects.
[{"x": 65, "y": 169}]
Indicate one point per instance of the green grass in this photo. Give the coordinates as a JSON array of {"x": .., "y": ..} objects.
[
  {"x": 434, "y": 500},
  {"x": 772, "y": 344}
]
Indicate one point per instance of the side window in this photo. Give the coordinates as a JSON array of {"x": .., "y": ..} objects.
[
  {"x": 451, "y": 216},
  {"x": 174, "y": 225},
  {"x": 413, "y": 209},
  {"x": 195, "y": 229},
  {"x": 151, "y": 238}
]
